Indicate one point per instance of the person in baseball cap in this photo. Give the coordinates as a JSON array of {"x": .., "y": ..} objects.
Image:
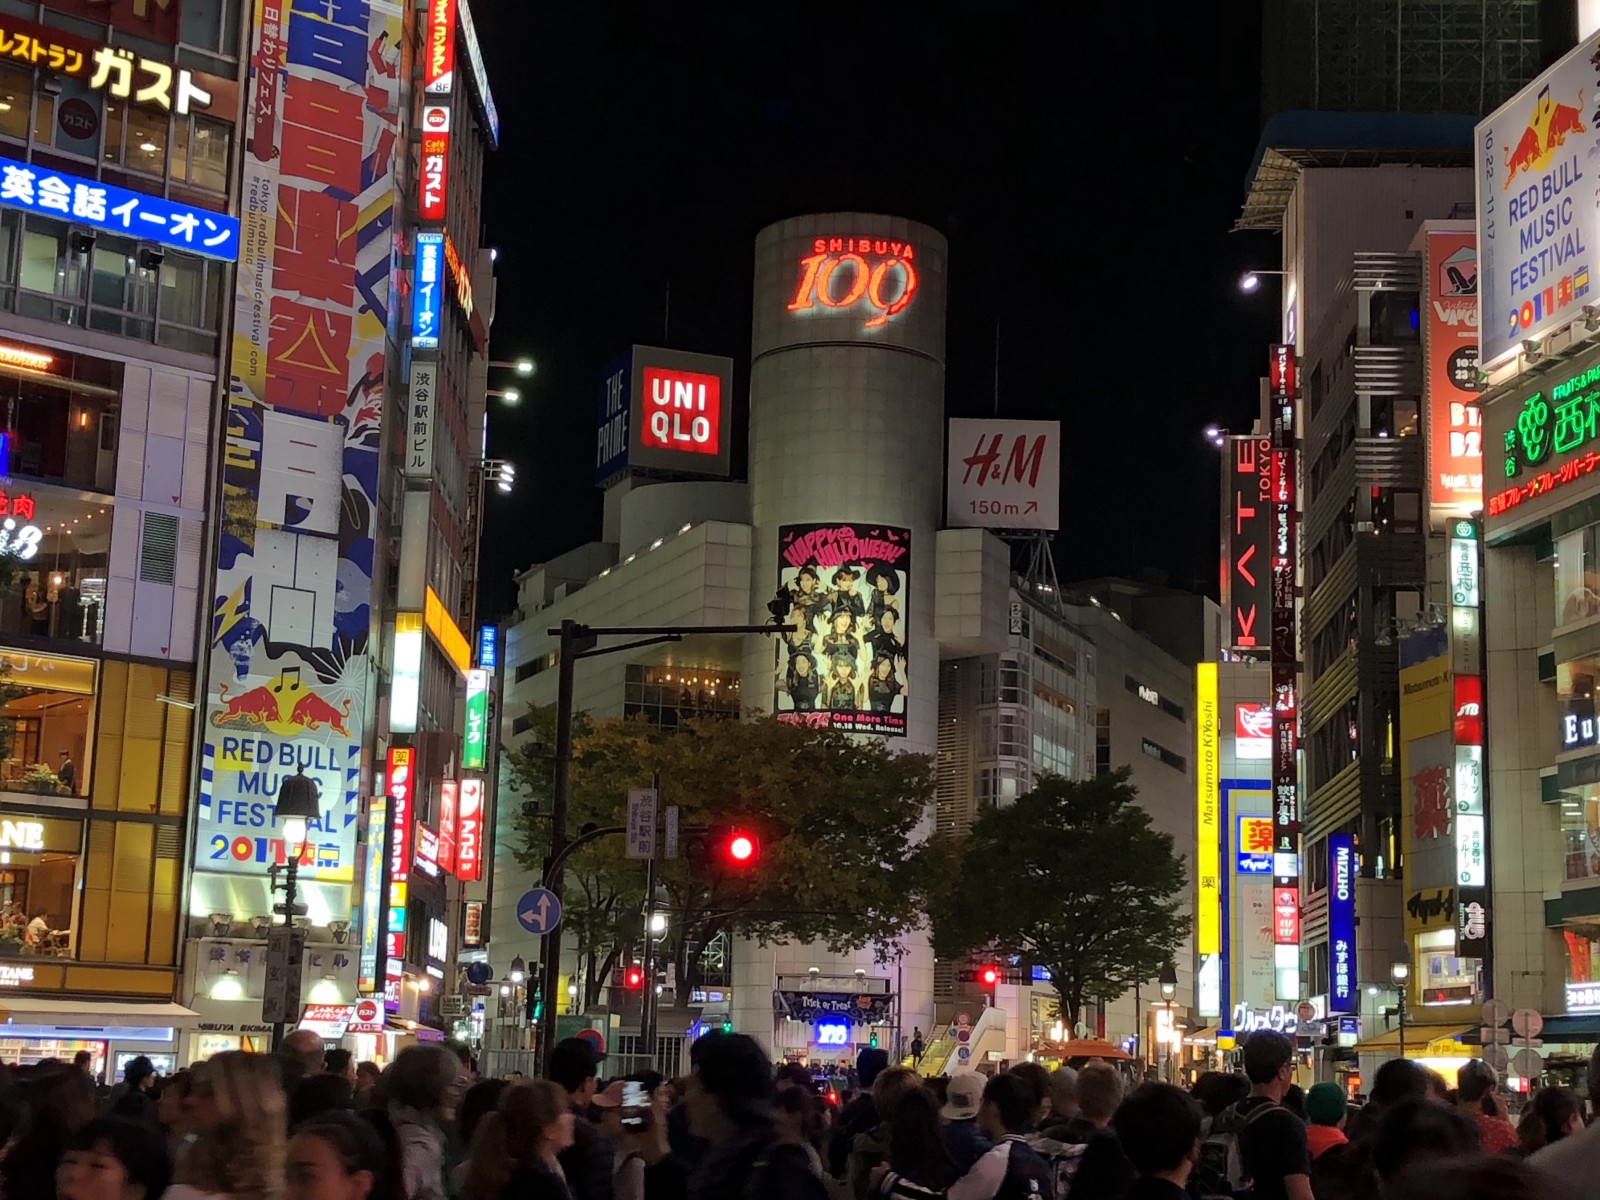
[{"x": 964, "y": 1142}]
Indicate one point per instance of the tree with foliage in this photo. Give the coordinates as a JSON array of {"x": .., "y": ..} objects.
[
  {"x": 836, "y": 818},
  {"x": 1072, "y": 876}
]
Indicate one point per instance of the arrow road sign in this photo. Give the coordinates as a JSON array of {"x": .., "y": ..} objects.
[{"x": 539, "y": 911}]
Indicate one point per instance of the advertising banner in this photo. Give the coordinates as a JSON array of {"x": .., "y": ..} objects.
[
  {"x": 469, "y": 831},
  {"x": 291, "y": 601},
  {"x": 1284, "y": 385},
  {"x": 427, "y": 292},
  {"x": 1537, "y": 220},
  {"x": 664, "y": 410},
  {"x": 1247, "y": 578},
  {"x": 845, "y": 665},
  {"x": 439, "y": 48},
  {"x": 433, "y": 174},
  {"x": 372, "y": 894},
  {"x": 1208, "y": 811},
  {"x": 419, "y": 429},
  {"x": 1450, "y": 350},
  {"x": 1344, "y": 988},
  {"x": 1003, "y": 474},
  {"x": 475, "y": 734},
  {"x": 1253, "y": 849},
  {"x": 1252, "y": 732}
]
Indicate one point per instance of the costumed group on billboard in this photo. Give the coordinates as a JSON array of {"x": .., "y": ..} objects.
[{"x": 844, "y": 666}]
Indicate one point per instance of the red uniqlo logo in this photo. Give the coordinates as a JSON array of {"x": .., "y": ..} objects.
[{"x": 682, "y": 411}]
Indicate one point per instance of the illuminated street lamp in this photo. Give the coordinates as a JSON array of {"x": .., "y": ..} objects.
[
  {"x": 299, "y": 803},
  {"x": 518, "y": 970},
  {"x": 1169, "y": 991},
  {"x": 509, "y": 395},
  {"x": 1216, "y": 435},
  {"x": 1250, "y": 281},
  {"x": 1400, "y": 972},
  {"x": 522, "y": 366}
]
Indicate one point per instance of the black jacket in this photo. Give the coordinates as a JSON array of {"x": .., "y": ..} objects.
[
  {"x": 589, "y": 1161},
  {"x": 756, "y": 1167},
  {"x": 858, "y": 1117}
]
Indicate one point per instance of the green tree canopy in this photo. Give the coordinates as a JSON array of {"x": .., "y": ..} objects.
[
  {"x": 836, "y": 818},
  {"x": 1073, "y": 876}
]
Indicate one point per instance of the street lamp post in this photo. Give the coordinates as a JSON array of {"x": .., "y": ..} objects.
[
  {"x": 1400, "y": 972},
  {"x": 1169, "y": 991},
  {"x": 578, "y": 641},
  {"x": 299, "y": 803}
]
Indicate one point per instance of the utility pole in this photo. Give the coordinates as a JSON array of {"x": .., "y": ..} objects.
[
  {"x": 578, "y": 641},
  {"x": 651, "y": 1002}
]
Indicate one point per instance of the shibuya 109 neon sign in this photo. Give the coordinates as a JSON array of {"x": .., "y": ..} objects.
[{"x": 877, "y": 274}]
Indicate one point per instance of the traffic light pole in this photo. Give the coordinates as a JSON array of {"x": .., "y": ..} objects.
[
  {"x": 651, "y": 1003},
  {"x": 578, "y": 641}
]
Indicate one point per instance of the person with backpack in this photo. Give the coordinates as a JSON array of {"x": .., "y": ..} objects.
[
  {"x": 1012, "y": 1170},
  {"x": 1257, "y": 1147},
  {"x": 1102, "y": 1172}
]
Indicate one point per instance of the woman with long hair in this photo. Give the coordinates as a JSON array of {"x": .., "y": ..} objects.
[
  {"x": 1553, "y": 1114},
  {"x": 237, "y": 1111},
  {"x": 513, "y": 1156},
  {"x": 422, "y": 1086},
  {"x": 343, "y": 1156},
  {"x": 916, "y": 1145}
]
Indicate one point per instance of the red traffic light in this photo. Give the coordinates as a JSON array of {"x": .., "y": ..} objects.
[
  {"x": 634, "y": 977},
  {"x": 989, "y": 976},
  {"x": 741, "y": 848}
]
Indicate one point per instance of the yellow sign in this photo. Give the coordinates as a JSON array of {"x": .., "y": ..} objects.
[
  {"x": 49, "y": 672},
  {"x": 1208, "y": 809},
  {"x": 445, "y": 633}
]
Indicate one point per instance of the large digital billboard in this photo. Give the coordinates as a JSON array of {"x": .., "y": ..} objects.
[
  {"x": 1538, "y": 224},
  {"x": 1450, "y": 383},
  {"x": 288, "y": 642},
  {"x": 1003, "y": 474},
  {"x": 844, "y": 667}
]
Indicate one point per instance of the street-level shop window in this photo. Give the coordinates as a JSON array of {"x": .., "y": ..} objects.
[
  {"x": 1445, "y": 977},
  {"x": 40, "y": 873}
]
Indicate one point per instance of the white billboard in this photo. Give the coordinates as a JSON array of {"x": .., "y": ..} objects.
[
  {"x": 1004, "y": 474},
  {"x": 1538, "y": 220}
]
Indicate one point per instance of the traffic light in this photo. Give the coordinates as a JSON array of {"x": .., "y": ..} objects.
[
  {"x": 726, "y": 847},
  {"x": 873, "y": 1041},
  {"x": 633, "y": 977},
  {"x": 727, "y": 1024},
  {"x": 535, "y": 1003},
  {"x": 989, "y": 976}
]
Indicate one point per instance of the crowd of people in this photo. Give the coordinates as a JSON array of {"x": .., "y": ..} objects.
[{"x": 306, "y": 1123}]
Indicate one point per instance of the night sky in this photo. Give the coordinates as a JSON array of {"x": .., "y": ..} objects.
[{"x": 1086, "y": 165}]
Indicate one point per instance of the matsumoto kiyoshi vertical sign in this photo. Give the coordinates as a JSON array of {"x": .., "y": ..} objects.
[
  {"x": 1538, "y": 223},
  {"x": 845, "y": 665}
]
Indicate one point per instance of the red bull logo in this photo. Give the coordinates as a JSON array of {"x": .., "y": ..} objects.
[
  {"x": 285, "y": 707},
  {"x": 1546, "y": 132}
]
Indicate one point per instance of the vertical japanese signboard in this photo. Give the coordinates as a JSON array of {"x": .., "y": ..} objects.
[
  {"x": 1344, "y": 991},
  {"x": 372, "y": 922},
  {"x": 1467, "y": 720},
  {"x": 448, "y": 805},
  {"x": 419, "y": 428},
  {"x": 475, "y": 737},
  {"x": 469, "y": 831},
  {"x": 1283, "y": 385},
  {"x": 439, "y": 48},
  {"x": 1208, "y": 811},
  {"x": 433, "y": 173},
  {"x": 1247, "y": 572},
  {"x": 1450, "y": 382},
  {"x": 290, "y": 616}
]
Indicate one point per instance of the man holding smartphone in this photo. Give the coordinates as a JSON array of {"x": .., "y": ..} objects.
[{"x": 628, "y": 1115}]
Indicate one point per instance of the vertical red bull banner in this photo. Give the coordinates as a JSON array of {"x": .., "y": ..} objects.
[
  {"x": 1283, "y": 386},
  {"x": 291, "y": 602},
  {"x": 1538, "y": 225},
  {"x": 1450, "y": 383}
]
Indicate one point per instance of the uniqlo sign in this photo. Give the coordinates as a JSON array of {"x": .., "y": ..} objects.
[
  {"x": 1247, "y": 575},
  {"x": 469, "y": 830},
  {"x": 434, "y": 173},
  {"x": 682, "y": 411}
]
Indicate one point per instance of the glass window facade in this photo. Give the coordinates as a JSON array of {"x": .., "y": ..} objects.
[{"x": 667, "y": 696}]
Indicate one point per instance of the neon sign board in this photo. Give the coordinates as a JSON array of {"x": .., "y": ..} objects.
[
  {"x": 425, "y": 295},
  {"x": 431, "y": 179},
  {"x": 1247, "y": 579},
  {"x": 439, "y": 48},
  {"x": 1345, "y": 990},
  {"x": 118, "y": 210},
  {"x": 101, "y": 68},
  {"x": 875, "y": 275},
  {"x": 683, "y": 411}
]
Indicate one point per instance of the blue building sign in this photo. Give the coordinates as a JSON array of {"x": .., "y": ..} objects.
[
  {"x": 488, "y": 646},
  {"x": 427, "y": 294},
  {"x": 66, "y": 197},
  {"x": 1344, "y": 987},
  {"x": 615, "y": 408}
]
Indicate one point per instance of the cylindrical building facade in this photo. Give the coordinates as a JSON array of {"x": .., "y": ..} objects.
[{"x": 846, "y": 438}]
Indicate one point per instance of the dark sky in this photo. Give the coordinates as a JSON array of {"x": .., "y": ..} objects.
[{"x": 1086, "y": 165}]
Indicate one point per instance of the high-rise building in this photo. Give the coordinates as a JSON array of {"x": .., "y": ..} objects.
[{"x": 339, "y": 573}]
